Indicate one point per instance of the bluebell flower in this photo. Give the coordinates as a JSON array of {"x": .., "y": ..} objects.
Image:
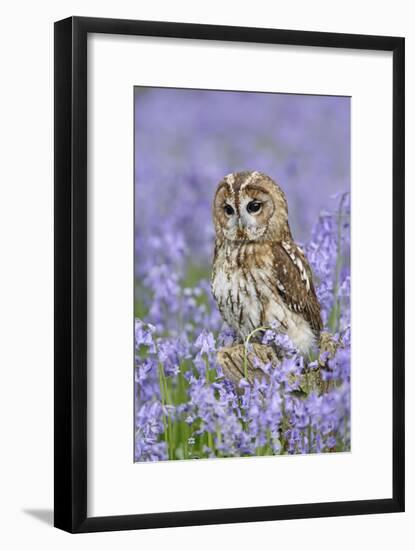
[{"x": 205, "y": 343}]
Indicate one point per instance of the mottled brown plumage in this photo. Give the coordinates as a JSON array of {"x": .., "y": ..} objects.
[
  {"x": 260, "y": 276},
  {"x": 297, "y": 295}
]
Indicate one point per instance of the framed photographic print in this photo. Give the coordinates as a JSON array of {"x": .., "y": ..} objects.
[{"x": 229, "y": 274}]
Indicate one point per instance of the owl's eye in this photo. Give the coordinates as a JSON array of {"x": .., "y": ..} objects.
[
  {"x": 228, "y": 209},
  {"x": 253, "y": 206}
]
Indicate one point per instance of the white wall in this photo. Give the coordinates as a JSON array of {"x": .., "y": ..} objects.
[{"x": 26, "y": 276}]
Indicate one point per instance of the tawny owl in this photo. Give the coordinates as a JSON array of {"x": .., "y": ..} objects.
[{"x": 260, "y": 276}]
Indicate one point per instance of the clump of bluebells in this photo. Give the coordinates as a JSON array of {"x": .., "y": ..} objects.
[{"x": 184, "y": 406}]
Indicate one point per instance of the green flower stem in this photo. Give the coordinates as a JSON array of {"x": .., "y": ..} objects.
[
  {"x": 163, "y": 402},
  {"x": 210, "y": 441},
  {"x": 186, "y": 431},
  {"x": 167, "y": 401},
  {"x": 335, "y": 312}
]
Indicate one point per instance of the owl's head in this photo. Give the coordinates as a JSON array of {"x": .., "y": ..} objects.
[{"x": 250, "y": 206}]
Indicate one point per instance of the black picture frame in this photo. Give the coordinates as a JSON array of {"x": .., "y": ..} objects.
[{"x": 70, "y": 173}]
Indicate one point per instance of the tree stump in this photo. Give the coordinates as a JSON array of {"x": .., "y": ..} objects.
[{"x": 231, "y": 359}]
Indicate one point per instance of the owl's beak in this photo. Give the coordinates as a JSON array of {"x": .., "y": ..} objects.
[{"x": 240, "y": 234}]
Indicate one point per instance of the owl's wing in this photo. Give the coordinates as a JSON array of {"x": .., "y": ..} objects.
[{"x": 294, "y": 281}]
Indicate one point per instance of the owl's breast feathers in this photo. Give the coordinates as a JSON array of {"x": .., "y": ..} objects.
[{"x": 256, "y": 283}]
